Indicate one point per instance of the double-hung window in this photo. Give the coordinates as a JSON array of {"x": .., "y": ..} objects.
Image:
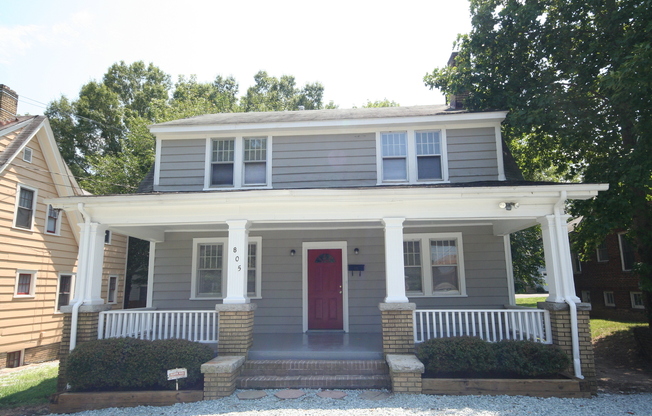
[
  {"x": 64, "y": 291},
  {"x": 626, "y": 253},
  {"x": 239, "y": 162},
  {"x": 602, "y": 253},
  {"x": 112, "y": 292},
  {"x": 25, "y": 207},
  {"x": 25, "y": 284},
  {"x": 209, "y": 272},
  {"x": 53, "y": 223},
  {"x": 637, "y": 300},
  {"x": 412, "y": 156},
  {"x": 434, "y": 264}
]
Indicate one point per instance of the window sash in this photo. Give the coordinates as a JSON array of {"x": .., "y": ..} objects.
[
  {"x": 445, "y": 274},
  {"x": 626, "y": 253},
  {"x": 394, "y": 153},
  {"x": 441, "y": 254},
  {"x": 24, "y": 286},
  {"x": 412, "y": 264},
  {"x": 113, "y": 283},
  {"x": 602, "y": 253},
  {"x": 25, "y": 209},
  {"x": 210, "y": 269},
  {"x": 53, "y": 220},
  {"x": 637, "y": 300},
  {"x": 222, "y": 162},
  {"x": 609, "y": 299},
  {"x": 65, "y": 287}
]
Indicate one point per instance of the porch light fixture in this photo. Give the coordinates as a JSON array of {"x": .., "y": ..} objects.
[
  {"x": 293, "y": 252},
  {"x": 508, "y": 205},
  {"x": 356, "y": 251}
]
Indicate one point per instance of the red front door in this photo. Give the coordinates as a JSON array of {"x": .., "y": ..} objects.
[{"x": 325, "y": 289}]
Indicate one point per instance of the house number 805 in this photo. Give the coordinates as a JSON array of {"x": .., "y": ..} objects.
[{"x": 237, "y": 259}]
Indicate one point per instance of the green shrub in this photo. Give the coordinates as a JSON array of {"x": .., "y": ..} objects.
[
  {"x": 456, "y": 356},
  {"x": 132, "y": 364},
  {"x": 473, "y": 357},
  {"x": 530, "y": 359}
]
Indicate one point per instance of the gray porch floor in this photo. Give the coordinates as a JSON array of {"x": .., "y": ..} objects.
[{"x": 317, "y": 346}]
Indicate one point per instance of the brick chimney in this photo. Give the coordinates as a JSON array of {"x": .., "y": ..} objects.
[
  {"x": 8, "y": 104},
  {"x": 456, "y": 101}
]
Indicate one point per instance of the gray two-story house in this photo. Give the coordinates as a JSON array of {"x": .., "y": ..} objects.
[{"x": 315, "y": 223}]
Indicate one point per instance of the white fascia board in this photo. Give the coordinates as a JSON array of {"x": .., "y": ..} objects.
[
  {"x": 330, "y": 205},
  {"x": 22, "y": 146},
  {"x": 348, "y": 124}
]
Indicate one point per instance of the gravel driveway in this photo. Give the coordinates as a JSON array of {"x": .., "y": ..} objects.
[{"x": 400, "y": 405}]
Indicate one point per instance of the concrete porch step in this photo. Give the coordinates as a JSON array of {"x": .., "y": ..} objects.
[
  {"x": 315, "y": 382},
  {"x": 314, "y": 367}
]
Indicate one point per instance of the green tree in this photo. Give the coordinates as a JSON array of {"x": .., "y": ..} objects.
[
  {"x": 576, "y": 77},
  {"x": 281, "y": 94},
  {"x": 380, "y": 103}
]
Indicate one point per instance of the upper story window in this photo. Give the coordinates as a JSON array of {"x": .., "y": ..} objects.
[
  {"x": 602, "y": 253},
  {"x": 27, "y": 155},
  {"x": 626, "y": 252},
  {"x": 53, "y": 223},
  {"x": 25, "y": 207},
  {"x": 239, "y": 162},
  {"x": 434, "y": 265},
  {"x": 411, "y": 157}
]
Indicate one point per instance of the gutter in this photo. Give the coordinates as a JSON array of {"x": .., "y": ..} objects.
[
  {"x": 82, "y": 289},
  {"x": 577, "y": 366}
]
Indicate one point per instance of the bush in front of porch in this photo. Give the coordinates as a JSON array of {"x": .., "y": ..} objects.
[
  {"x": 472, "y": 357},
  {"x": 118, "y": 364}
]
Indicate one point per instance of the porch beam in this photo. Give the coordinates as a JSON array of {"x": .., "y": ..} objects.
[
  {"x": 394, "y": 264},
  {"x": 237, "y": 252}
]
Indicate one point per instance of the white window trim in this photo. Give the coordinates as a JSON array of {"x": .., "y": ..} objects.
[
  {"x": 411, "y": 158},
  {"x": 426, "y": 267},
  {"x": 34, "y": 204},
  {"x": 57, "y": 230},
  {"x": 72, "y": 289},
  {"x": 32, "y": 284},
  {"x": 27, "y": 154},
  {"x": 622, "y": 254},
  {"x": 597, "y": 255},
  {"x": 224, "y": 241},
  {"x": 632, "y": 297},
  {"x": 108, "y": 289},
  {"x": 606, "y": 301},
  {"x": 238, "y": 163}
]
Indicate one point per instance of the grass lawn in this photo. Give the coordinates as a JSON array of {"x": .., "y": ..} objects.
[
  {"x": 531, "y": 302},
  {"x": 28, "y": 386},
  {"x": 604, "y": 328}
]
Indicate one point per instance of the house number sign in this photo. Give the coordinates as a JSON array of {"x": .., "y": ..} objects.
[{"x": 237, "y": 258}]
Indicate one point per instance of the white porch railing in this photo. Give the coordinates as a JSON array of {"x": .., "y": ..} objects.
[
  {"x": 199, "y": 326},
  {"x": 489, "y": 324}
]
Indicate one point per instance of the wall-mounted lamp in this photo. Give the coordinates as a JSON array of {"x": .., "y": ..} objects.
[
  {"x": 292, "y": 252},
  {"x": 356, "y": 251},
  {"x": 508, "y": 205}
]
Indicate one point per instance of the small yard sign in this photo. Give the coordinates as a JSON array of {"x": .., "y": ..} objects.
[{"x": 177, "y": 373}]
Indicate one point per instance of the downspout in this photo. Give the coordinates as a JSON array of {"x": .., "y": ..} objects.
[
  {"x": 82, "y": 287},
  {"x": 575, "y": 338}
]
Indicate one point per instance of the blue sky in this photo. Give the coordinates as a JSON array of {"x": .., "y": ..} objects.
[{"x": 359, "y": 50}]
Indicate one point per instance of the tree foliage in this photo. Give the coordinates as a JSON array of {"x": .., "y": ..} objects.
[
  {"x": 576, "y": 77},
  {"x": 380, "y": 103}
]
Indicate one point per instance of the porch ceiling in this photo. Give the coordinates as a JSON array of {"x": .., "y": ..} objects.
[{"x": 151, "y": 216}]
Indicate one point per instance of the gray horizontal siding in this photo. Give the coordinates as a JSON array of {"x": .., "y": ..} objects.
[
  {"x": 472, "y": 154},
  {"x": 182, "y": 165},
  {"x": 280, "y": 309},
  {"x": 324, "y": 161}
]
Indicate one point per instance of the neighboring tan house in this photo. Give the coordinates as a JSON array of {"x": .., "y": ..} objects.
[
  {"x": 607, "y": 282},
  {"x": 369, "y": 227},
  {"x": 39, "y": 243}
]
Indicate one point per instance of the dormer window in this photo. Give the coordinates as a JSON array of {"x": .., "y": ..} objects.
[
  {"x": 239, "y": 162},
  {"x": 27, "y": 155},
  {"x": 428, "y": 155},
  {"x": 413, "y": 156}
]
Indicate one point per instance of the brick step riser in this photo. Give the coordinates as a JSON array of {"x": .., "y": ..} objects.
[
  {"x": 311, "y": 372},
  {"x": 314, "y": 367},
  {"x": 313, "y": 382}
]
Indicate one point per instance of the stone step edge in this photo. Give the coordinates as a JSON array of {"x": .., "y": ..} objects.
[
  {"x": 315, "y": 364},
  {"x": 380, "y": 381}
]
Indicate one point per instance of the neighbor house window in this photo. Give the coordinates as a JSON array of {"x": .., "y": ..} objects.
[
  {"x": 64, "y": 291},
  {"x": 210, "y": 267},
  {"x": 428, "y": 155},
  {"x": 25, "y": 206},
  {"x": 394, "y": 151},
  {"x": 626, "y": 252},
  {"x": 602, "y": 253},
  {"x": 609, "y": 299},
  {"x": 14, "y": 359},
  {"x": 107, "y": 237},
  {"x": 112, "y": 292},
  {"x": 27, "y": 155},
  {"x": 53, "y": 223},
  {"x": 576, "y": 263},
  {"x": 222, "y": 161},
  {"x": 25, "y": 283},
  {"x": 586, "y": 296},
  {"x": 434, "y": 264},
  {"x": 637, "y": 300}
]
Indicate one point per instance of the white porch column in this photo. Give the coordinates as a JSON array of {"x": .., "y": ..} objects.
[
  {"x": 559, "y": 268},
  {"x": 394, "y": 265},
  {"x": 237, "y": 252},
  {"x": 88, "y": 287}
]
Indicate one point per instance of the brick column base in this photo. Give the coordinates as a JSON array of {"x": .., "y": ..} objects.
[
  {"x": 405, "y": 372},
  {"x": 236, "y": 328},
  {"x": 220, "y": 374},
  {"x": 87, "y": 323},
  {"x": 398, "y": 327},
  {"x": 560, "y": 324}
]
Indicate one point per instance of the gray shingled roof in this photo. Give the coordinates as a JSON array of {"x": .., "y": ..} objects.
[
  {"x": 27, "y": 132},
  {"x": 312, "y": 115}
]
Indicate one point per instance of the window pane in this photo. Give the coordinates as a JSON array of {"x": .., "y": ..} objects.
[
  {"x": 394, "y": 144},
  {"x": 255, "y": 173},
  {"x": 251, "y": 270},
  {"x": 394, "y": 169},
  {"x": 255, "y": 150},
  {"x": 444, "y": 279},
  {"x": 412, "y": 260},
  {"x": 65, "y": 282},
  {"x": 443, "y": 254},
  {"x": 24, "y": 218},
  {"x": 26, "y": 198},
  {"x": 222, "y": 174},
  {"x": 53, "y": 217},
  {"x": 429, "y": 167},
  {"x": 209, "y": 273},
  {"x": 24, "y": 284},
  {"x": 428, "y": 143},
  {"x": 210, "y": 282},
  {"x": 223, "y": 150},
  {"x": 603, "y": 253},
  {"x": 627, "y": 252}
]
